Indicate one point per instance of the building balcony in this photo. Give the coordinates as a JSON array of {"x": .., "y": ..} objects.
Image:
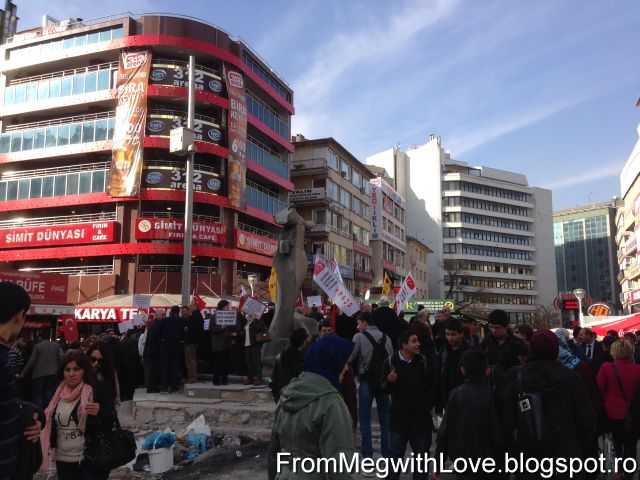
[
  {"x": 309, "y": 167},
  {"x": 263, "y": 199}
]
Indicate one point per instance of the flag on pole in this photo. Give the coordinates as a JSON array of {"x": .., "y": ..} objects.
[
  {"x": 407, "y": 291},
  {"x": 334, "y": 317},
  {"x": 300, "y": 302},
  {"x": 386, "y": 284},
  {"x": 199, "y": 300},
  {"x": 244, "y": 294},
  {"x": 273, "y": 285},
  {"x": 336, "y": 269}
]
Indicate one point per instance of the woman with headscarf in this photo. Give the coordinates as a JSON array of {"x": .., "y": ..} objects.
[
  {"x": 311, "y": 419},
  {"x": 569, "y": 419}
]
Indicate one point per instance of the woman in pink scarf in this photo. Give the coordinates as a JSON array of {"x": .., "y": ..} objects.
[{"x": 71, "y": 417}]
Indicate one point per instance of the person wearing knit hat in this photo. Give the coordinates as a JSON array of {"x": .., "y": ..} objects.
[{"x": 568, "y": 412}]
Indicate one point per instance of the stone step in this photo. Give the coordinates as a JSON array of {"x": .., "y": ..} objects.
[{"x": 231, "y": 392}]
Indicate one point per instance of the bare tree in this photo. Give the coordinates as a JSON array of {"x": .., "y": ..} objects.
[
  {"x": 456, "y": 272},
  {"x": 545, "y": 316}
]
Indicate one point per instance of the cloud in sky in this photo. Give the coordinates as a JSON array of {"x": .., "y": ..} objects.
[{"x": 605, "y": 171}]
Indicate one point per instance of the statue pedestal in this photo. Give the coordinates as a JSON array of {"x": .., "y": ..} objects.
[{"x": 269, "y": 352}]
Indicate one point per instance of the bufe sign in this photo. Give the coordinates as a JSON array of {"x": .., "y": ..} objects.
[{"x": 43, "y": 288}]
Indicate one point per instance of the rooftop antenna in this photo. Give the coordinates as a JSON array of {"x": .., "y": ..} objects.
[{"x": 589, "y": 196}]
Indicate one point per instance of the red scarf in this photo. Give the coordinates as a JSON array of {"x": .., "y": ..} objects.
[{"x": 83, "y": 392}]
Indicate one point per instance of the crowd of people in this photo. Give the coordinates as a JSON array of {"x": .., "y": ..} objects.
[{"x": 512, "y": 390}]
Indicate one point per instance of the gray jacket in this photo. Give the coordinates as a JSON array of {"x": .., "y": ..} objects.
[
  {"x": 44, "y": 359},
  {"x": 363, "y": 350}
]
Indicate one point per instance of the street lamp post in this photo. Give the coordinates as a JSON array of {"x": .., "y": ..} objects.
[{"x": 580, "y": 294}]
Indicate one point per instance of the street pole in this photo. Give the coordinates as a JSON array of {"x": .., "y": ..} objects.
[{"x": 188, "y": 204}]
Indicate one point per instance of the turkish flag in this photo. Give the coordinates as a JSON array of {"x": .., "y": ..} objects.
[
  {"x": 201, "y": 303},
  {"x": 70, "y": 329},
  {"x": 300, "y": 302}
]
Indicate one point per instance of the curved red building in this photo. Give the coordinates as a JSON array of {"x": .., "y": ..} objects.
[{"x": 58, "y": 124}]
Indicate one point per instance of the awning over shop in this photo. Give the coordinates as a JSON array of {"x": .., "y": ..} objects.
[{"x": 628, "y": 323}]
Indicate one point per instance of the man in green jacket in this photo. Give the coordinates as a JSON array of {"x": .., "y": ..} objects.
[{"x": 311, "y": 419}]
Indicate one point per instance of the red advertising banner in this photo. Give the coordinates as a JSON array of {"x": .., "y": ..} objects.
[
  {"x": 173, "y": 229},
  {"x": 256, "y": 243},
  {"x": 43, "y": 288},
  {"x": 131, "y": 115},
  {"x": 237, "y": 138},
  {"x": 71, "y": 234},
  {"x": 118, "y": 314}
]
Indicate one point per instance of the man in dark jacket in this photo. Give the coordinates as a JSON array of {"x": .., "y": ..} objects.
[
  {"x": 450, "y": 358},
  {"x": 315, "y": 314},
  {"x": 194, "y": 331},
  {"x": 387, "y": 321},
  {"x": 43, "y": 367},
  {"x": 127, "y": 363},
  {"x": 151, "y": 353},
  {"x": 463, "y": 432},
  {"x": 413, "y": 393},
  {"x": 171, "y": 341},
  {"x": 504, "y": 350},
  {"x": 288, "y": 363},
  {"x": 569, "y": 421}
]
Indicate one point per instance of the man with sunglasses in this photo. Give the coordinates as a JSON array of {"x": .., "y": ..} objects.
[{"x": 15, "y": 303}]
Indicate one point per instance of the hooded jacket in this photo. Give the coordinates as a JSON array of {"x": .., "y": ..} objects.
[{"x": 311, "y": 420}]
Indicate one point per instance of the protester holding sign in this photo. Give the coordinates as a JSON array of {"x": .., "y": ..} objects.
[
  {"x": 221, "y": 327},
  {"x": 253, "y": 335}
]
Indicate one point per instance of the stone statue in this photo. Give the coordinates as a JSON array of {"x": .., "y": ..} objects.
[{"x": 290, "y": 263}]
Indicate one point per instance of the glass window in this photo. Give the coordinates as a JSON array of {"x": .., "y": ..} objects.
[
  {"x": 345, "y": 170},
  {"x": 116, "y": 33},
  {"x": 332, "y": 159},
  {"x": 59, "y": 185},
  {"x": 105, "y": 35},
  {"x": 43, "y": 90},
  {"x": 16, "y": 141},
  {"x": 12, "y": 190},
  {"x": 8, "y": 95},
  {"x": 36, "y": 187},
  {"x": 63, "y": 135},
  {"x": 93, "y": 37},
  {"x": 27, "y": 140},
  {"x": 72, "y": 184},
  {"x": 32, "y": 92},
  {"x": 54, "y": 88},
  {"x": 88, "y": 131},
  {"x": 357, "y": 179},
  {"x": 345, "y": 198},
  {"x": 65, "y": 86},
  {"x": 3, "y": 191},
  {"x": 320, "y": 216},
  {"x": 56, "y": 44},
  {"x": 20, "y": 96},
  {"x": 52, "y": 137},
  {"x": 90, "y": 80},
  {"x": 80, "y": 40},
  {"x": 23, "y": 189},
  {"x": 47, "y": 187},
  {"x": 98, "y": 181},
  {"x": 112, "y": 125},
  {"x": 332, "y": 190},
  {"x": 78, "y": 84},
  {"x": 5, "y": 142},
  {"x": 101, "y": 129},
  {"x": 68, "y": 42},
  {"x": 85, "y": 182},
  {"x": 75, "y": 133},
  {"x": 39, "y": 138},
  {"x": 103, "y": 79}
]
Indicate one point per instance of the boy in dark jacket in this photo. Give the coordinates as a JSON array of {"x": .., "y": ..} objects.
[
  {"x": 471, "y": 427},
  {"x": 413, "y": 390},
  {"x": 288, "y": 363}
]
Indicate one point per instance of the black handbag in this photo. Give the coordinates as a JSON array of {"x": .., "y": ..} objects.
[{"x": 113, "y": 448}]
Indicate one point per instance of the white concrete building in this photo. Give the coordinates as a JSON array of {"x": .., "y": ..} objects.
[{"x": 490, "y": 223}]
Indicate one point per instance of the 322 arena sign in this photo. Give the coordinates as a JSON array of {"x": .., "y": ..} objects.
[{"x": 53, "y": 235}]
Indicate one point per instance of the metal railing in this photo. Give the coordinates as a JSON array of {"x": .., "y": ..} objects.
[
  {"x": 203, "y": 218},
  {"x": 65, "y": 73},
  {"x": 62, "y": 220},
  {"x": 177, "y": 113},
  {"x": 177, "y": 268},
  {"x": 245, "y": 274},
  {"x": 39, "y": 31},
  {"x": 81, "y": 270},
  {"x": 169, "y": 62},
  {"x": 257, "y": 231},
  {"x": 88, "y": 167},
  {"x": 61, "y": 121}
]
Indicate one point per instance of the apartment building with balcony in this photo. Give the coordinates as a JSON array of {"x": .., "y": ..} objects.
[
  {"x": 487, "y": 226},
  {"x": 332, "y": 189},
  {"x": 58, "y": 122},
  {"x": 586, "y": 252},
  {"x": 628, "y": 230}
]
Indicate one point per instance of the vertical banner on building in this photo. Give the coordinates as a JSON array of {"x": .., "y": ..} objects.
[
  {"x": 376, "y": 209},
  {"x": 237, "y": 138},
  {"x": 407, "y": 291},
  {"x": 131, "y": 114}
]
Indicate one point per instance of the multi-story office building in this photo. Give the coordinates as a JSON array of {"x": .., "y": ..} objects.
[
  {"x": 417, "y": 264},
  {"x": 584, "y": 239},
  {"x": 388, "y": 236},
  {"x": 332, "y": 189},
  {"x": 56, "y": 142},
  {"x": 628, "y": 230},
  {"x": 9, "y": 18},
  {"x": 488, "y": 229}
]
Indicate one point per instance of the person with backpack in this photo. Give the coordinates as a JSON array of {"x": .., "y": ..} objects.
[
  {"x": 413, "y": 390},
  {"x": 464, "y": 433},
  {"x": 288, "y": 363},
  {"x": 546, "y": 408},
  {"x": 618, "y": 381},
  {"x": 372, "y": 349}
]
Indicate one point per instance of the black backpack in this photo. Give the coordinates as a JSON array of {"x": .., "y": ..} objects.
[
  {"x": 531, "y": 427},
  {"x": 374, "y": 373}
]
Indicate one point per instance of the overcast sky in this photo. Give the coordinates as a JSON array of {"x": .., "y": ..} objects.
[{"x": 546, "y": 88}]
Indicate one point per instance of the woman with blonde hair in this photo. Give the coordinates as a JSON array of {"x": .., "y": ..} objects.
[{"x": 618, "y": 381}]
